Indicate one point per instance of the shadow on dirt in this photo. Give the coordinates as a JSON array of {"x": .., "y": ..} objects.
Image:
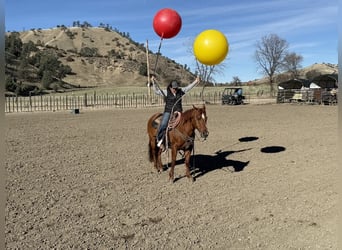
[
  {"x": 272, "y": 149},
  {"x": 203, "y": 164},
  {"x": 248, "y": 139}
]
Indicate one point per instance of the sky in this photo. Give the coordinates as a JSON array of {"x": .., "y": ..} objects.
[{"x": 310, "y": 27}]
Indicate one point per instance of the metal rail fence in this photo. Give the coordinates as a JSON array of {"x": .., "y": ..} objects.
[
  {"x": 312, "y": 96},
  {"x": 96, "y": 101}
]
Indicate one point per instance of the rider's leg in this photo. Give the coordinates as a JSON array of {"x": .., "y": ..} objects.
[{"x": 162, "y": 127}]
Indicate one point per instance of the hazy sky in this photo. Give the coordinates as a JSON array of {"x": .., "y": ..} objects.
[{"x": 310, "y": 27}]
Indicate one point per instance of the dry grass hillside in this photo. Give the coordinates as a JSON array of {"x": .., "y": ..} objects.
[
  {"x": 322, "y": 68},
  {"x": 119, "y": 58},
  {"x": 103, "y": 70},
  {"x": 308, "y": 72}
]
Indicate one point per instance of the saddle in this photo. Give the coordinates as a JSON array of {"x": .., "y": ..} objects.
[{"x": 173, "y": 122}]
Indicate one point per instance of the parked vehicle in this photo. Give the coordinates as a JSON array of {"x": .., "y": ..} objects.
[{"x": 232, "y": 96}]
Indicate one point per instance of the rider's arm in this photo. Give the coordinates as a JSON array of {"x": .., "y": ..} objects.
[
  {"x": 190, "y": 86},
  {"x": 157, "y": 90}
]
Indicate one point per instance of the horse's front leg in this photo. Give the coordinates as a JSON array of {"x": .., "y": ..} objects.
[
  {"x": 173, "y": 163},
  {"x": 187, "y": 155}
]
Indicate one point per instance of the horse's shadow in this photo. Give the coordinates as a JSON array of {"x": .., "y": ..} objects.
[{"x": 203, "y": 164}]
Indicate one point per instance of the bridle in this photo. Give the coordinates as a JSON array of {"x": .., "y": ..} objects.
[{"x": 186, "y": 138}]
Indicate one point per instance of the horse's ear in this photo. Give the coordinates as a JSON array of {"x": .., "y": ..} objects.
[
  {"x": 203, "y": 106},
  {"x": 194, "y": 106}
]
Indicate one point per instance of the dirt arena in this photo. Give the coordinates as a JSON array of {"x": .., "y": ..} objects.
[{"x": 265, "y": 179}]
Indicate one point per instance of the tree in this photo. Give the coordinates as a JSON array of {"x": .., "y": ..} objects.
[
  {"x": 47, "y": 79},
  {"x": 206, "y": 72},
  {"x": 10, "y": 84},
  {"x": 23, "y": 69},
  {"x": 269, "y": 55},
  {"x": 89, "y": 52},
  {"x": 27, "y": 48},
  {"x": 48, "y": 62},
  {"x": 292, "y": 63},
  {"x": 76, "y": 24},
  {"x": 143, "y": 69},
  {"x": 13, "y": 47},
  {"x": 236, "y": 81},
  {"x": 62, "y": 71},
  {"x": 85, "y": 25},
  {"x": 13, "y": 44},
  {"x": 50, "y": 67}
]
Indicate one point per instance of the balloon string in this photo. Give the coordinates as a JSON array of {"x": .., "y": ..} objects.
[{"x": 155, "y": 66}]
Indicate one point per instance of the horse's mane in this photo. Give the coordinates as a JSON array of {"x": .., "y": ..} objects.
[{"x": 187, "y": 114}]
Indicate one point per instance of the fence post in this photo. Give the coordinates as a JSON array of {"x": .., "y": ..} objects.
[
  {"x": 66, "y": 102},
  {"x": 9, "y": 104},
  {"x": 85, "y": 100},
  {"x": 30, "y": 102},
  {"x": 16, "y": 102}
]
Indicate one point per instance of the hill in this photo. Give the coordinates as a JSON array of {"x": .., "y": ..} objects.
[
  {"x": 308, "y": 72},
  {"x": 321, "y": 68},
  {"x": 103, "y": 57}
]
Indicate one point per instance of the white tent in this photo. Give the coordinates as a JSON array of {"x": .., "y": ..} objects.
[{"x": 314, "y": 86}]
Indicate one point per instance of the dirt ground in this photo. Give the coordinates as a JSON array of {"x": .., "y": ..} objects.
[{"x": 266, "y": 178}]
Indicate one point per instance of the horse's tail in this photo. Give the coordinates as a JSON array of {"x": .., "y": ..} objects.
[
  {"x": 150, "y": 152},
  {"x": 151, "y": 131}
]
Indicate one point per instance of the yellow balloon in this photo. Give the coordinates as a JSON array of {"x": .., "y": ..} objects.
[{"x": 211, "y": 47}]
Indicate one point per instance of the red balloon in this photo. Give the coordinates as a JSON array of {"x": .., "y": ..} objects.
[{"x": 167, "y": 23}]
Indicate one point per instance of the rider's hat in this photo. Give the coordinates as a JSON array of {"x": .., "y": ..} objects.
[{"x": 174, "y": 84}]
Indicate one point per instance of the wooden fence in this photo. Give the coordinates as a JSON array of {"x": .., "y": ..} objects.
[{"x": 97, "y": 101}]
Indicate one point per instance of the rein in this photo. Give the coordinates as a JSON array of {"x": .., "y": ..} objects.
[
  {"x": 175, "y": 119},
  {"x": 189, "y": 140}
]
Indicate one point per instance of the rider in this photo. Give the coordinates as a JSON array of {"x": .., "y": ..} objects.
[
  {"x": 238, "y": 92},
  {"x": 173, "y": 102}
]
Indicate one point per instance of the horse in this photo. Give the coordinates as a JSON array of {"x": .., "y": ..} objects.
[{"x": 181, "y": 137}]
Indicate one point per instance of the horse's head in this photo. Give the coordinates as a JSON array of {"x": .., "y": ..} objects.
[{"x": 200, "y": 120}]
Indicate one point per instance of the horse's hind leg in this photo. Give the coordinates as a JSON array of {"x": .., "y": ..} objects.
[
  {"x": 187, "y": 154},
  {"x": 153, "y": 154},
  {"x": 173, "y": 163},
  {"x": 159, "y": 164}
]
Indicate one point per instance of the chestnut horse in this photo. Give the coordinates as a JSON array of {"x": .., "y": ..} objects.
[{"x": 181, "y": 137}]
